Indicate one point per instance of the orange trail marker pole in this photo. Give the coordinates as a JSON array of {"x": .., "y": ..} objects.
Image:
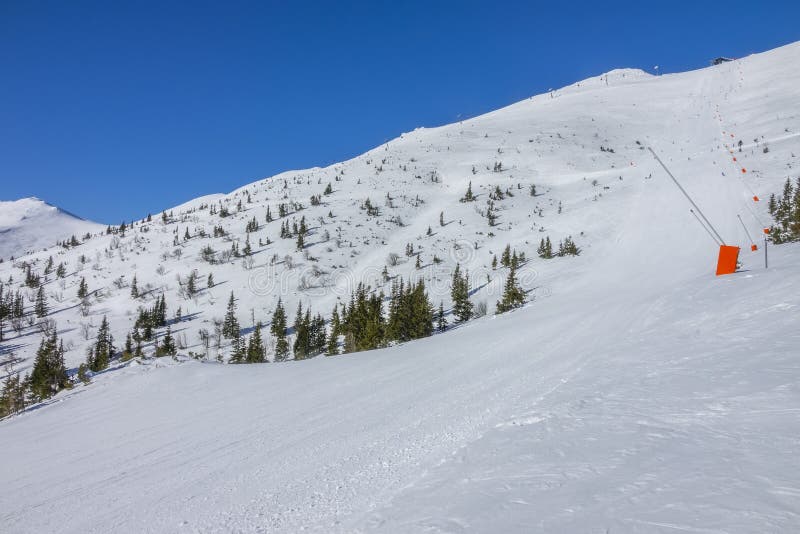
[{"x": 753, "y": 245}]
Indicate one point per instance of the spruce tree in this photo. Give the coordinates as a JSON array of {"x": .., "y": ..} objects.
[
  {"x": 12, "y": 396},
  {"x": 134, "y": 288},
  {"x": 100, "y": 356},
  {"x": 441, "y": 320},
  {"x": 191, "y": 284},
  {"x": 513, "y": 295},
  {"x": 302, "y": 325},
  {"x": 83, "y": 289},
  {"x": 230, "y": 325},
  {"x": 459, "y": 293},
  {"x": 468, "y": 196},
  {"x": 278, "y": 330},
  {"x": 40, "y": 307},
  {"x": 505, "y": 258},
  {"x": 49, "y": 374},
  {"x": 332, "y": 346},
  {"x": 255, "y": 346},
  {"x": 167, "y": 347}
]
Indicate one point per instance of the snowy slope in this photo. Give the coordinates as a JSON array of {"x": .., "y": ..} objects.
[
  {"x": 635, "y": 392},
  {"x": 29, "y": 224}
]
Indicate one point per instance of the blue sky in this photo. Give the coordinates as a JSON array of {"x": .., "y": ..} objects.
[{"x": 112, "y": 110}]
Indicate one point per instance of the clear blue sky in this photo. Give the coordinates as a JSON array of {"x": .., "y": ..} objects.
[{"x": 115, "y": 109}]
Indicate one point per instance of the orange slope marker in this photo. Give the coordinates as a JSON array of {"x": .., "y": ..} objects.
[{"x": 728, "y": 256}]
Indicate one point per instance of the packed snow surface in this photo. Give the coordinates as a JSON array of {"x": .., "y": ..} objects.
[{"x": 635, "y": 392}]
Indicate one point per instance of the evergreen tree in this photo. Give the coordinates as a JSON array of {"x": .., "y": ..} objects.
[
  {"x": 127, "y": 352},
  {"x": 83, "y": 289},
  {"x": 441, "y": 320},
  {"x": 468, "y": 196},
  {"x": 210, "y": 281},
  {"x": 459, "y": 293},
  {"x": 247, "y": 250},
  {"x": 167, "y": 347},
  {"x": 302, "y": 326},
  {"x": 40, "y": 307},
  {"x": 191, "y": 284},
  {"x": 100, "y": 356},
  {"x": 513, "y": 295},
  {"x": 49, "y": 374},
  {"x": 255, "y": 346},
  {"x": 61, "y": 270},
  {"x": 278, "y": 330},
  {"x": 134, "y": 288},
  {"x": 332, "y": 347},
  {"x": 505, "y": 258},
  {"x": 12, "y": 396},
  {"x": 230, "y": 325}
]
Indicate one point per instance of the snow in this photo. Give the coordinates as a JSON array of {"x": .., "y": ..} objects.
[
  {"x": 28, "y": 224},
  {"x": 635, "y": 392}
]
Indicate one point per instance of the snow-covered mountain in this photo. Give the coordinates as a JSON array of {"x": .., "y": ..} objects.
[
  {"x": 634, "y": 392},
  {"x": 30, "y": 224}
]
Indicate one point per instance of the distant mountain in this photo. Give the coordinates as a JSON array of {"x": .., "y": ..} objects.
[{"x": 29, "y": 224}]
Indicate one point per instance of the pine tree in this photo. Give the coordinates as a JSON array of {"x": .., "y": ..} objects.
[
  {"x": 40, "y": 307},
  {"x": 247, "y": 251},
  {"x": 255, "y": 346},
  {"x": 494, "y": 262},
  {"x": 332, "y": 346},
  {"x": 12, "y": 396},
  {"x": 210, "y": 281},
  {"x": 278, "y": 330},
  {"x": 167, "y": 347},
  {"x": 468, "y": 196},
  {"x": 83, "y": 289},
  {"x": 513, "y": 295},
  {"x": 127, "y": 352},
  {"x": 134, "y": 288},
  {"x": 505, "y": 258},
  {"x": 302, "y": 326},
  {"x": 230, "y": 325},
  {"x": 191, "y": 284},
  {"x": 459, "y": 293},
  {"x": 61, "y": 270},
  {"x": 441, "y": 320},
  {"x": 49, "y": 374},
  {"x": 100, "y": 356}
]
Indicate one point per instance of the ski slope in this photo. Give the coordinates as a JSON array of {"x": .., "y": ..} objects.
[{"x": 635, "y": 392}]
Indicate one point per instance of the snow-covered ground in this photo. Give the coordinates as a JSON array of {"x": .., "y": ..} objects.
[
  {"x": 635, "y": 392},
  {"x": 29, "y": 224}
]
